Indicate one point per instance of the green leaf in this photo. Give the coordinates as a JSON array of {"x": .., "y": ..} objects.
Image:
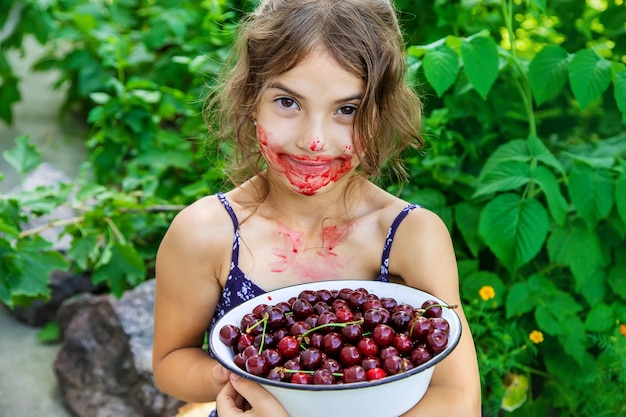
[
  {"x": 515, "y": 150},
  {"x": 573, "y": 339},
  {"x": 592, "y": 192},
  {"x": 480, "y": 60},
  {"x": 552, "y": 190},
  {"x": 23, "y": 157},
  {"x": 620, "y": 194},
  {"x": 620, "y": 93},
  {"x": 121, "y": 267},
  {"x": 84, "y": 250},
  {"x": 589, "y": 76},
  {"x": 601, "y": 318},
  {"x": 519, "y": 300},
  {"x": 593, "y": 288},
  {"x": 467, "y": 217},
  {"x": 32, "y": 264},
  {"x": 441, "y": 67},
  {"x": 579, "y": 248},
  {"x": 9, "y": 94},
  {"x": 514, "y": 228},
  {"x": 547, "y": 72},
  {"x": 510, "y": 175},
  {"x": 49, "y": 333},
  {"x": 100, "y": 97},
  {"x": 540, "y": 151},
  {"x": 617, "y": 275},
  {"x": 475, "y": 281},
  {"x": 541, "y": 4},
  {"x": 547, "y": 320}
]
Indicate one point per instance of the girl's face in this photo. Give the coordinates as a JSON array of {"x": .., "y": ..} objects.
[{"x": 305, "y": 124}]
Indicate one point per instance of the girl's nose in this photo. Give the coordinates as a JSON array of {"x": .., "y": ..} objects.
[
  {"x": 314, "y": 143},
  {"x": 314, "y": 136}
]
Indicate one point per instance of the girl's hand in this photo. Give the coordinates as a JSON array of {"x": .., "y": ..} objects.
[
  {"x": 242, "y": 397},
  {"x": 220, "y": 375}
]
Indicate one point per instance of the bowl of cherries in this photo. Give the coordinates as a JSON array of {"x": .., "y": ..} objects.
[{"x": 346, "y": 347}]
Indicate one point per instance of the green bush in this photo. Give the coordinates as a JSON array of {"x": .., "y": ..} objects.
[{"x": 525, "y": 115}]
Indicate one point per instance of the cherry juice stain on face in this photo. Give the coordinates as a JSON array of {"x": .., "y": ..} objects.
[
  {"x": 306, "y": 173},
  {"x": 315, "y": 144},
  {"x": 315, "y": 264}
]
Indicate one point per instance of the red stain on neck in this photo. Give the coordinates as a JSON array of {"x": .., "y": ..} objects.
[{"x": 316, "y": 264}]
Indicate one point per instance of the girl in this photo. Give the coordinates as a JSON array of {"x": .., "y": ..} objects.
[{"x": 317, "y": 105}]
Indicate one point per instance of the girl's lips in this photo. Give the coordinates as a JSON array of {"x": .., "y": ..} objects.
[{"x": 306, "y": 163}]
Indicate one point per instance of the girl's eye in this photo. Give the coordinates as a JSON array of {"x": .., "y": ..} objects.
[
  {"x": 346, "y": 110},
  {"x": 287, "y": 102}
]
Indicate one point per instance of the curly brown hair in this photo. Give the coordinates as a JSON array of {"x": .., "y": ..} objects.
[{"x": 363, "y": 36}]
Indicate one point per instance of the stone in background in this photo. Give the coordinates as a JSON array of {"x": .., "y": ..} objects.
[{"x": 104, "y": 364}]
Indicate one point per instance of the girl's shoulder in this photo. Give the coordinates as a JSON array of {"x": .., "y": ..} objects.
[{"x": 201, "y": 226}]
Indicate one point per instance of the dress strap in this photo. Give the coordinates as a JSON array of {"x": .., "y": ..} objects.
[
  {"x": 384, "y": 265},
  {"x": 233, "y": 217}
]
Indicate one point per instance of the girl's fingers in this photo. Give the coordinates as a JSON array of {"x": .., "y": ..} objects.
[
  {"x": 263, "y": 403},
  {"x": 229, "y": 402},
  {"x": 220, "y": 375}
]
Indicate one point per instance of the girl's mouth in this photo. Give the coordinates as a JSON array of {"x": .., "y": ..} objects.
[
  {"x": 310, "y": 174},
  {"x": 307, "y": 166}
]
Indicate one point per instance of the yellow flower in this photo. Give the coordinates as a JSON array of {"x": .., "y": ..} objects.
[
  {"x": 487, "y": 292},
  {"x": 536, "y": 337},
  {"x": 622, "y": 329}
]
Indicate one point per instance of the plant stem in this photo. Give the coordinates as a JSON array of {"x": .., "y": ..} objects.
[
  {"x": 51, "y": 225},
  {"x": 519, "y": 72}
]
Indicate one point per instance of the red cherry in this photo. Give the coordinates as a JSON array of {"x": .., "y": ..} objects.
[
  {"x": 432, "y": 308},
  {"x": 332, "y": 343},
  {"x": 367, "y": 346},
  {"x": 301, "y": 378},
  {"x": 257, "y": 365},
  {"x": 349, "y": 355},
  {"x": 383, "y": 335},
  {"x": 229, "y": 335},
  {"x": 437, "y": 341},
  {"x": 370, "y": 362},
  {"x": 311, "y": 358},
  {"x": 288, "y": 347},
  {"x": 403, "y": 343},
  {"x": 354, "y": 374},
  {"x": 419, "y": 327},
  {"x": 374, "y": 374},
  {"x": 420, "y": 355},
  {"x": 344, "y": 315},
  {"x": 441, "y": 324},
  {"x": 323, "y": 377}
]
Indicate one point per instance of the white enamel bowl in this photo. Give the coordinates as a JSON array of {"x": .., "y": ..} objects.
[{"x": 391, "y": 396}]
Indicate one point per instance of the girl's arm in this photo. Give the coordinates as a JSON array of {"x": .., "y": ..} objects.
[
  {"x": 423, "y": 255},
  {"x": 188, "y": 264}
]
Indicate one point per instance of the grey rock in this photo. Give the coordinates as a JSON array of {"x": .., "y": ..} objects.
[{"x": 104, "y": 364}]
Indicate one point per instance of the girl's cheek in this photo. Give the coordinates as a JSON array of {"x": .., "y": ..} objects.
[{"x": 269, "y": 148}]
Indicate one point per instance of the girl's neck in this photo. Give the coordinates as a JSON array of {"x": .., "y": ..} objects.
[{"x": 309, "y": 212}]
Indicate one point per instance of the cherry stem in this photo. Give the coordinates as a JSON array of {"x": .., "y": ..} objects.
[
  {"x": 256, "y": 323},
  {"x": 423, "y": 310},
  {"x": 348, "y": 323}
]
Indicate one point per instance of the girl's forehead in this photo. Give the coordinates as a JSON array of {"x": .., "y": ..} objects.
[{"x": 319, "y": 65}]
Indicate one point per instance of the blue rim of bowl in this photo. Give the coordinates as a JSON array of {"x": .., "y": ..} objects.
[{"x": 337, "y": 387}]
